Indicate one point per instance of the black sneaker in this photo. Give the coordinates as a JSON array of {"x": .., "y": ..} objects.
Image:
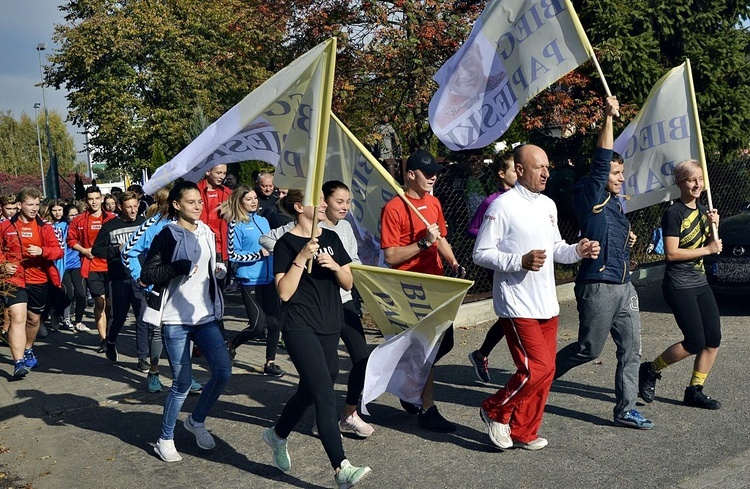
[
  {"x": 647, "y": 382},
  {"x": 111, "y": 352},
  {"x": 695, "y": 397},
  {"x": 434, "y": 421},
  {"x": 409, "y": 407},
  {"x": 481, "y": 367},
  {"x": 143, "y": 365},
  {"x": 273, "y": 370},
  {"x": 102, "y": 346}
]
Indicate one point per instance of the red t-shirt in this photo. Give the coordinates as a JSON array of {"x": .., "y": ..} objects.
[
  {"x": 94, "y": 225},
  {"x": 213, "y": 217},
  {"x": 400, "y": 226},
  {"x": 29, "y": 233}
]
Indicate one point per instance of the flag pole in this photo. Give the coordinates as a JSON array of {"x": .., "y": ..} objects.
[
  {"x": 322, "y": 146},
  {"x": 701, "y": 150},
  {"x": 379, "y": 168}
]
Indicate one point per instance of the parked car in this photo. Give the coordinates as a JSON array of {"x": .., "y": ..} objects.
[{"x": 729, "y": 271}]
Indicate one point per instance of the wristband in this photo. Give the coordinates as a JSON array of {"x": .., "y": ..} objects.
[{"x": 296, "y": 264}]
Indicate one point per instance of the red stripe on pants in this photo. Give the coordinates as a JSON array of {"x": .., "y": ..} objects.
[{"x": 533, "y": 346}]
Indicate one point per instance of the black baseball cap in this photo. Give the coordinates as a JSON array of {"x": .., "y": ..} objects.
[{"x": 423, "y": 160}]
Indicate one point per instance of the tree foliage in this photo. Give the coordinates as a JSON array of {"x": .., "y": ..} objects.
[
  {"x": 19, "y": 150},
  {"x": 136, "y": 69}
]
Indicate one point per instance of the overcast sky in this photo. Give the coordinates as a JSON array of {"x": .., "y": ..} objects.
[{"x": 23, "y": 25}]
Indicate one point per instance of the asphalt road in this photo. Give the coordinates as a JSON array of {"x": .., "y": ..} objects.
[{"x": 94, "y": 426}]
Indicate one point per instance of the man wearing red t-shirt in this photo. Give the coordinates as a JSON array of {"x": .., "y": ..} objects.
[
  {"x": 214, "y": 194},
  {"x": 409, "y": 244},
  {"x": 82, "y": 234},
  {"x": 28, "y": 249}
]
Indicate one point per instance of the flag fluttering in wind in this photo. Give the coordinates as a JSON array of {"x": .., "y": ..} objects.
[
  {"x": 413, "y": 311},
  {"x": 516, "y": 49},
  {"x": 283, "y": 122},
  {"x": 665, "y": 132}
]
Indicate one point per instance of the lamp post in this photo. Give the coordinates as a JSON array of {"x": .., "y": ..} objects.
[
  {"x": 39, "y": 144},
  {"x": 39, "y": 48}
]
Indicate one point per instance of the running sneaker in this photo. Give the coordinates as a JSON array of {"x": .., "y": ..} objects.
[
  {"x": 102, "y": 346},
  {"x": 195, "y": 387},
  {"x": 273, "y": 370},
  {"x": 166, "y": 451},
  {"x": 203, "y": 438},
  {"x": 536, "y": 444},
  {"x": 348, "y": 475},
  {"x": 80, "y": 327},
  {"x": 499, "y": 432},
  {"x": 355, "y": 424},
  {"x": 20, "y": 370},
  {"x": 634, "y": 419},
  {"x": 143, "y": 365},
  {"x": 279, "y": 447},
  {"x": 153, "y": 384},
  {"x": 42, "y": 333},
  {"x": 409, "y": 407},
  {"x": 66, "y": 325},
  {"x": 434, "y": 421},
  {"x": 29, "y": 359},
  {"x": 481, "y": 366},
  {"x": 647, "y": 382},
  {"x": 694, "y": 397}
]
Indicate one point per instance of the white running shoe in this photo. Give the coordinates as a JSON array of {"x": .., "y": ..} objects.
[
  {"x": 81, "y": 327},
  {"x": 355, "y": 424},
  {"x": 166, "y": 451},
  {"x": 499, "y": 433}
]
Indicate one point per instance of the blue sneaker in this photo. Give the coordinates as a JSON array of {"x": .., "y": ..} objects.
[
  {"x": 195, "y": 387},
  {"x": 634, "y": 419},
  {"x": 21, "y": 370},
  {"x": 29, "y": 359},
  {"x": 153, "y": 384}
]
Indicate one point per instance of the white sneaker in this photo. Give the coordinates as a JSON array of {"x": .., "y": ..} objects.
[
  {"x": 203, "y": 438},
  {"x": 355, "y": 424},
  {"x": 81, "y": 327},
  {"x": 537, "y": 444},
  {"x": 166, "y": 451},
  {"x": 499, "y": 433}
]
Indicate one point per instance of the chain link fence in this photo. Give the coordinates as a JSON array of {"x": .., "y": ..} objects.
[{"x": 463, "y": 186}]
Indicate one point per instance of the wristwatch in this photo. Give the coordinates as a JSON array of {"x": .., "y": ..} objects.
[{"x": 423, "y": 244}]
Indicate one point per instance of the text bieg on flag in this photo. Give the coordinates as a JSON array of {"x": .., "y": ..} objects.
[
  {"x": 660, "y": 136},
  {"x": 516, "y": 49}
]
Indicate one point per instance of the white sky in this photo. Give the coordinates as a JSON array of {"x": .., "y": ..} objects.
[{"x": 23, "y": 25}]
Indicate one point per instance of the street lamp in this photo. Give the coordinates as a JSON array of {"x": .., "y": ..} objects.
[
  {"x": 39, "y": 144},
  {"x": 39, "y": 48}
]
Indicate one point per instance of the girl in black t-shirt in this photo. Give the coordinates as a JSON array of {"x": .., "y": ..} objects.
[
  {"x": 687, "y": 239},
  {"x": 311, "y": 315}
]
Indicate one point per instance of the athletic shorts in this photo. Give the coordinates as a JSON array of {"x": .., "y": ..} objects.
[
  {"x": 33, "y": 295},
  {"x": 98, "y": 284}
]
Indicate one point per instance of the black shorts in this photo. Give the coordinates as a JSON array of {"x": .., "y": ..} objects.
[
  {"x": 98, "y": 284},
  {"x": 33, "y": 295}
]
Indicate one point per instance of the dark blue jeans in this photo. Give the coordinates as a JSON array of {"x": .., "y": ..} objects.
[{"x": 177, "y": 338}]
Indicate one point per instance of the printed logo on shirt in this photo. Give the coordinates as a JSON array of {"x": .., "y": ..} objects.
[
  {"x": 27, "y": 234},
  {"x": 324, "y": 249},
  {"x": 422, "y": 207},
  {"x": 490, "y": 217},
  {"x": 96, "y": 226}
]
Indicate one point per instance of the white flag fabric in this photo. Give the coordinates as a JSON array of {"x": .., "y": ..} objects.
[
  {"x": 281, "y": 122},
  {"x": 516, "y": 49},
  {"x": 413, "y": 311},
  {"x": 659, "y": 137}
]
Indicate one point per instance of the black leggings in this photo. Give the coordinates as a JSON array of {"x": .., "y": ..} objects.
[
  {"x": 316, "y": 359},
  {"x": 697, "y": 316},
  {"x": 354, "y": 340},
  {"x": 446, "y": 345},
  {"x": 493, "y": 337},
  {"x": 262, "y": 307},
  {"x": 75, "y": 288}
]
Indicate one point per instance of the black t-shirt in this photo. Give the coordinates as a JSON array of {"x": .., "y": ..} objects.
[
  {"x": 692, "y": 228},
  {"x": 316, "y": 304}
]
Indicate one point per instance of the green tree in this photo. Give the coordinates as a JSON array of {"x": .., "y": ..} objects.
[
  {"x": 19, "y": 149},
  {"x": 136, "y": 70}
]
